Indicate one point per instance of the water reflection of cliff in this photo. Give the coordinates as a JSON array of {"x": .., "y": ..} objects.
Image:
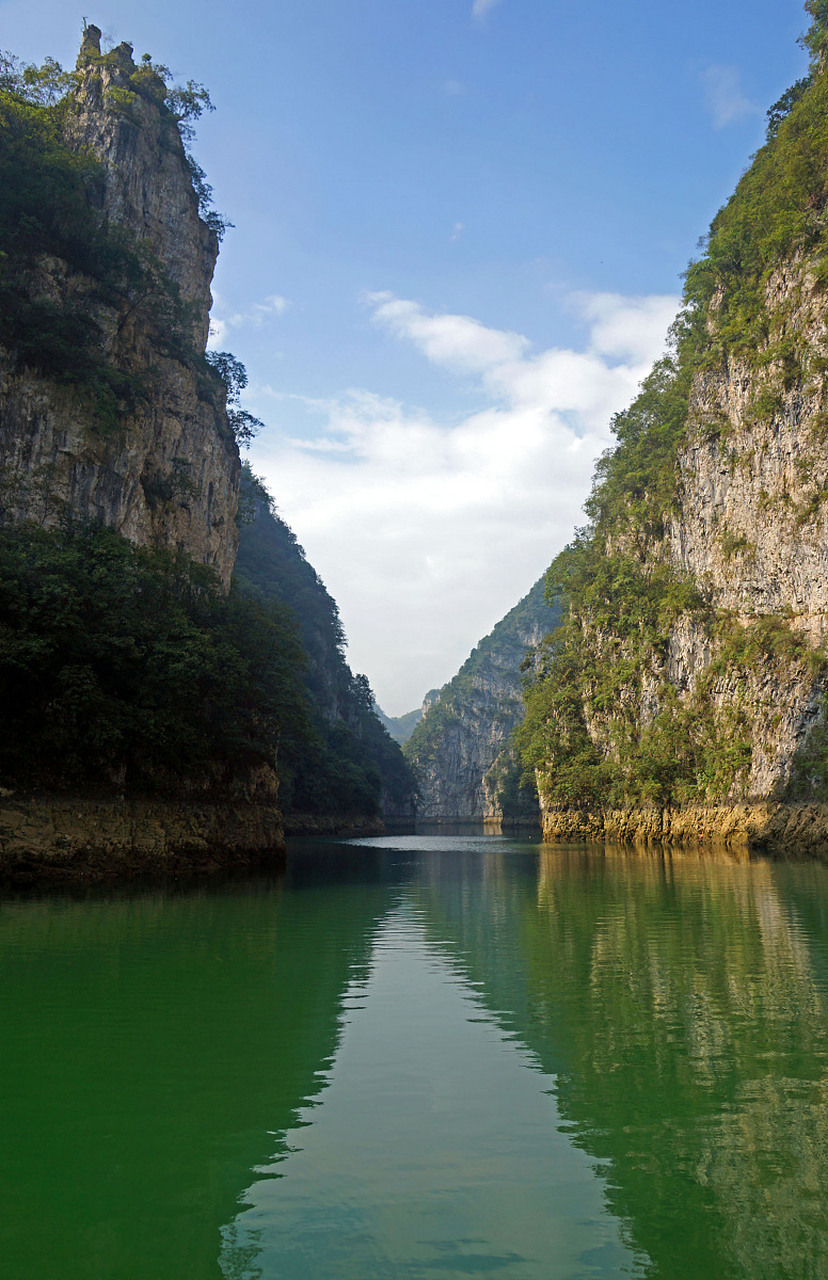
[
  {"x": 150, "y": 1046},
  {"x": 680, "y": 1004}
]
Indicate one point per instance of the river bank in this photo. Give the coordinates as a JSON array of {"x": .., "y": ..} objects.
[
  {"x": 773, "y": 829},
  {"x": 77, "y": 837}
]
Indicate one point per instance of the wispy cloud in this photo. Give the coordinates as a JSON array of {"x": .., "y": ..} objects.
[
  {"x": 427, "y": 531},
  {"x": 275, "y": 303},
  {"x": 459, "y": 342},
  {"x": 724, "y": 97},
  {"x": 481, "y": 7},
  {"x": 223, "y": 321}
]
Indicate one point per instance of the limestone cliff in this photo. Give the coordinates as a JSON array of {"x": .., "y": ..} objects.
[
  {"x": 460, "y": 751},
  {"x": 685, "y": 694},
  {"x": 143, "y": 705},
  {"x": 160, "y": 463},
  {"x": 92, "y": 838}
]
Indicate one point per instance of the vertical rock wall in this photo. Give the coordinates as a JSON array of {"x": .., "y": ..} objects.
[
  {"x": 748, "y": 526},
  {"x": 167, "y": 475},
  {"x": 461, "y": 751}
]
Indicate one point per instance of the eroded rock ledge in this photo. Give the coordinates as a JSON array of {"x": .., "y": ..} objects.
[
  {"x": 774, "y": 829},
  {"x": 78, "y": 838}
]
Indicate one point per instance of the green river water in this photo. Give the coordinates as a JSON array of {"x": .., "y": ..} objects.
[{"x": 420, "y": 1056}]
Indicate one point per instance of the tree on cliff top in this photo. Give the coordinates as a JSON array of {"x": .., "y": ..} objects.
[{"x": 49, "y": 208}]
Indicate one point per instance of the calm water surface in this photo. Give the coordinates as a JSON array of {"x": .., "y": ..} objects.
[{"x": 429, "y": 1057}]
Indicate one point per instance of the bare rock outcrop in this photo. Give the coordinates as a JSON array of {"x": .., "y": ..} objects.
[{"x": 461, "y": 752}]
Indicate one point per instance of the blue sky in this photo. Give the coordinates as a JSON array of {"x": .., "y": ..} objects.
[{"x": 459, "y": 232}]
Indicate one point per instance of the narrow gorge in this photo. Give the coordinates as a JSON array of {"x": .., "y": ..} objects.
[
  {"x": 462, "y": 751},
  {"x": 683, "y": 696}
]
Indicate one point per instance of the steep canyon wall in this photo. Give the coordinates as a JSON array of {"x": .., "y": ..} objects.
[
  {"x": 461, "y": 751},
  {"x": 684, "y": 698},
  {"x": 160, "y": 464}
]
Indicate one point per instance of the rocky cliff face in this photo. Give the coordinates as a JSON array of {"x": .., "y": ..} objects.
[
  {"x": 84, "y": 838},
  {"x": 750, "y": 519},
  {"x": 751, "y": 526},
  {"x": 688, "y": 691},
  {"x": 460, "y": 751},
  {"x": 165, "y": 471}
]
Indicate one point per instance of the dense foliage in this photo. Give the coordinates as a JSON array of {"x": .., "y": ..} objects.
[
  {"x": 127, "y": 667},
  {"x": 350, "y": 763},
  {"x": 609, "y": 659},
  {"x": 777, "y": 210}
]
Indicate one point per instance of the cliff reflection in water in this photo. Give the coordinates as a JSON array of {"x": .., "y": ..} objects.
[
  {"x": 422, "y": 1056},
  {"x": 680, "y": 1003},
  {"x": 148, "y": 1044}
]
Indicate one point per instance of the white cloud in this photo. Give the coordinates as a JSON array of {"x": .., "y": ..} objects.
[
  {"x": 481, "y": 7},
  {"x": 458, "y": 342},
  {"x": 275, "y": 303},
  {"x": 627, "y": 328},
  {"x": 454, "y": 88},
  {"x": 427, "y": 532},
  {"x": 222, "y": 321},
  {"x": 457, "y": 230},
  {"x": 724, "y": 98}
]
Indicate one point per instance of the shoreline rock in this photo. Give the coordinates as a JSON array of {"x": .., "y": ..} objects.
[
  {"x": 45, "y": 838},
  {"x": 332, "y": 824},
  {"x": 770, "y": 828}
]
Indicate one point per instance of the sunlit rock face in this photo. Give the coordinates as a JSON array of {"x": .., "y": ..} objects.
[
  {"x": 748, "y": 524},
  {"x": 166, "y": 474},
  {"x": 465, "y": 766},
  {"x": 751, "y": 519},
  {"x": 147, "y": 185},
  {"x": 751, "y": 524}
]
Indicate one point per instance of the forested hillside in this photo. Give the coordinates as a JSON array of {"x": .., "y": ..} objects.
[{"x": 349, "y": 764}]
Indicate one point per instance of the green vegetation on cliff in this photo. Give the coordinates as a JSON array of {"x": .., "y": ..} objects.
[
  {"x": 128, "y": 669},
  {"x": 349, "y": 764},
  {"x": 463, "y": 745},
  {"x": 63, "y": 265},
  {"x": 49, "y": 209},
  {"x": 609, "y": 722},
  {"x": 776, "y": 211}
]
